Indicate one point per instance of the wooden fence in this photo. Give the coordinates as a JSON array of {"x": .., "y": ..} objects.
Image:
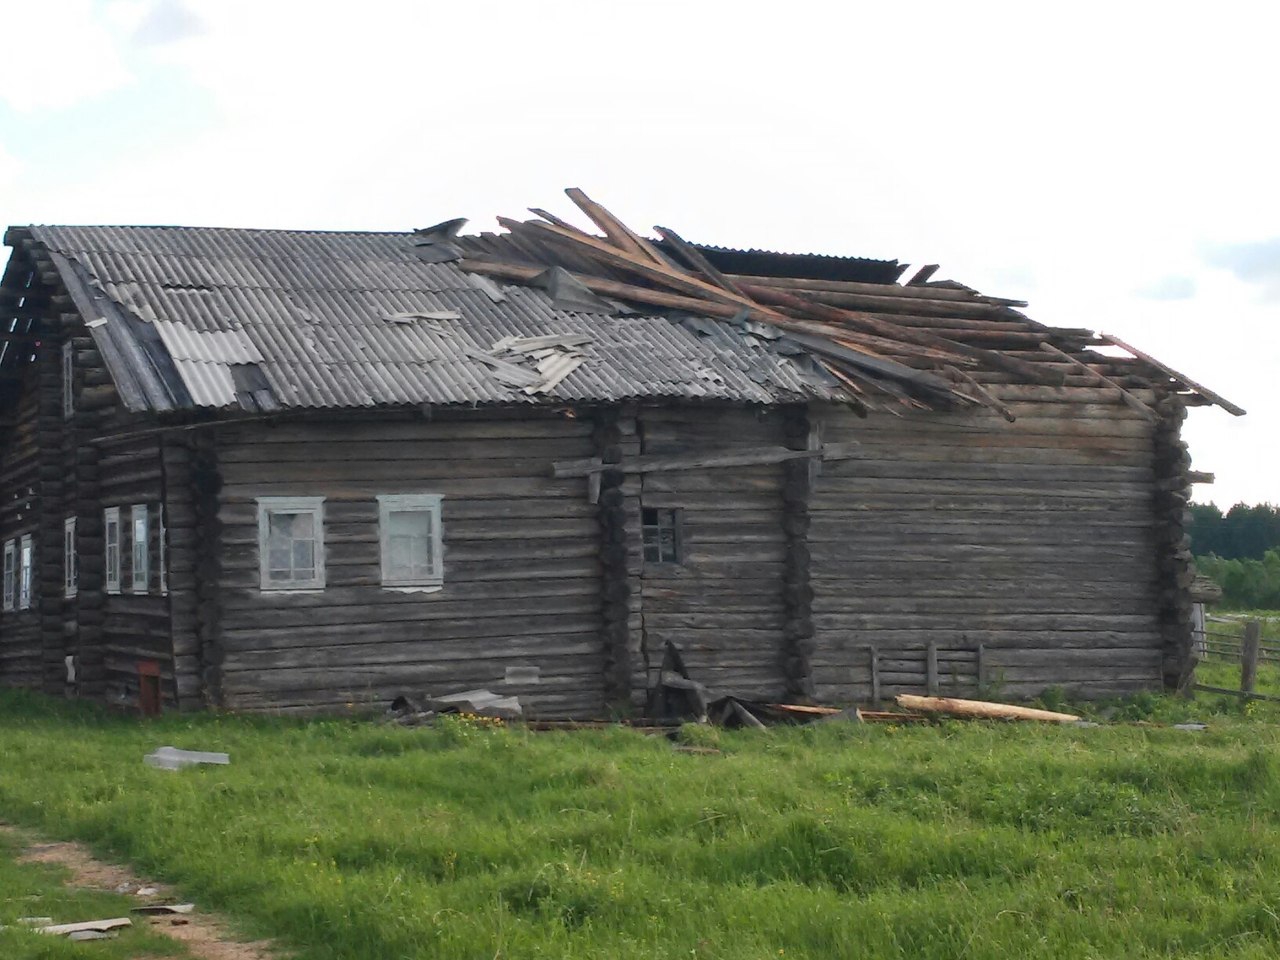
[{"x": 1223, "y": 640}]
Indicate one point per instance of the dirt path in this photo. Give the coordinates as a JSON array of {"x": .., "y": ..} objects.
[{"x": 205, "y": 935}]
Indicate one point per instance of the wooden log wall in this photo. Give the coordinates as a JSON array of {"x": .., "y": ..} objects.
[
  {"x": 179, "y": 459},
  {"x": 615, "y": 579},
  {"x": 137, "y": 625},
  {"x": 1034, "y": 540},
  {"x": 21, "y": 657},
  {"x": 723, "y": 605},
  {"x": 1173, "y": 543},
  {"x": 522, "y": 572},
  {"x": 799, "y": 644}
]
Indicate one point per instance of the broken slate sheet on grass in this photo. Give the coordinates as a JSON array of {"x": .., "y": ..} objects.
[{"x": 171, "y": 758}]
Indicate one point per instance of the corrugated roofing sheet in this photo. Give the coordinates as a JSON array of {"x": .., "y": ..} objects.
[{"x": 310, "y": 314}]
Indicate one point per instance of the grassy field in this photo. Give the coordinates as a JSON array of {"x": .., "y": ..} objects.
[{"x": 355, "y": 840}]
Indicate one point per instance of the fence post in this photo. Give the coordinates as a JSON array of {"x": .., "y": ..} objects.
[{"x": 1249, "y": 655}]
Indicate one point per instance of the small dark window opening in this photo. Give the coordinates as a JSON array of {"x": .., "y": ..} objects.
[{"x": 663, "y": 542}]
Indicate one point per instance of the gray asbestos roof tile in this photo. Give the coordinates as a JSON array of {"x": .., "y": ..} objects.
[{"x": 310, "y": 311}]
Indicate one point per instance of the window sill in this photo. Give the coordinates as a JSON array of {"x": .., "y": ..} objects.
[{"x": 413, "y": 587}]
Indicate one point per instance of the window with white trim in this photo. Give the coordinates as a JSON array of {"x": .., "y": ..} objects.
[
  {"x": 10, "y": 573},
  {"x": 70, "y": 565},
  {"x": 141, "y": 573},
  {"x": 291, "y": 543},
  {"x": 111, "y": 538},
  {"x": 25, "y": 563},
  {"x": 68, "y": 380},
  {"x": 162, "y": 555},
  {"x": 411, "y": 536}
]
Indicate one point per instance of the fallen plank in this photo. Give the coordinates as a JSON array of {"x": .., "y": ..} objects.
[{"x": 980, "y": 709}]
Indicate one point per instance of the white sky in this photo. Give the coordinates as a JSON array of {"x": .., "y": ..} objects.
[{"x": 1112, "y": 163}]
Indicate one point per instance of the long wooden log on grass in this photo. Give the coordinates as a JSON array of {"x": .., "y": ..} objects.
[{"x": 980, "y": 709}]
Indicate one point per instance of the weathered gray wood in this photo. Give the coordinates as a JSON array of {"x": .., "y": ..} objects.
[{"x": 705, "y": 460}]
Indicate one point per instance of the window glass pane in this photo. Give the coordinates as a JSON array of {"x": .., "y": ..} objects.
[
  {"x": 278, "y": 559},
  {"x": 660, "y": 535},
  {"x": 409, "y": 548},
  {"x": 291, "y": 546},
  {"x": 667, "y": 544}
]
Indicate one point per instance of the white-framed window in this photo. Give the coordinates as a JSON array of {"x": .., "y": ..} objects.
[
  {"x": 68, "y": 379},
  {"x": 70, "y": 565},
  {"x": 10, "y": 573},
  {"x": 162, "y": 556},
  {"x": 141, "y": 573},
  {"x": 111, "y": 539},
  {"x": 25, "y": 563},
  {"x": 291, "y": 543},
  {"x": 411, "y": 535}
]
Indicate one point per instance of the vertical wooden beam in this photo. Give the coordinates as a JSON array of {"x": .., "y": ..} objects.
[
  {"x": 931, "y": 668},
  {"x": 1249, "y": 656},
  {"x": 1171, "y": 495},
  {"x": 615, "y": 586},
  {"x": 875, "y": 674},
  {"x": 798, "y": 638}
]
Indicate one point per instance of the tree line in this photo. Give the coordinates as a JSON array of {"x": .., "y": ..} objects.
[{"x": 1240, "y": 550}]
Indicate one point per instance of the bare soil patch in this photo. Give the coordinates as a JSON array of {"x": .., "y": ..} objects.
[{"x": 205, "y": 935}]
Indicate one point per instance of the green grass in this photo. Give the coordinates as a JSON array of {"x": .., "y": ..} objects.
[
  {"x": 38, "y": 890},
  {"x": 354, "y": 840}
]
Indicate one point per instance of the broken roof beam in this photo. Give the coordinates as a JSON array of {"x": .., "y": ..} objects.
[
  {"x": 876, "y": 325},
  {"x": 922, "y": 275},
  {"x": 1172, "y": 374},
  {"x": 727, "y": 311},
  {"x": 696, "y": 260},
  {"x": 617, "y": 231},
  {"x": 985, "y": 397},
  {"x": 1102, "y": 379},
  {"x": 882, "y": 290}
]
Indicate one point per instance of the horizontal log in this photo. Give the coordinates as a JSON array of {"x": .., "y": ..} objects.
[{"x": 705, "y": 460}]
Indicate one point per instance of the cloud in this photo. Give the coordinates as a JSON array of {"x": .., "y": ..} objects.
[
  {"x": 168, "y": 21},
  {"x": 88, "y": 62},
  {"x": 1172, "y": 287},
  {"x": 1257, "y": 262}
]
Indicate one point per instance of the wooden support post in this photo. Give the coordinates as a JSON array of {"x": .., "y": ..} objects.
[
  {"x": 931, "y": 668},
  {"x": 981, "y": 667},
  {"x": 875, "y": 674},
  {"x": 1249, "y": 656}
]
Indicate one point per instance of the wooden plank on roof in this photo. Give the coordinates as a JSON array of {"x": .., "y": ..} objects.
[
  {"x": 1183, "y": 379},
  {"x": 1103, "y": 379}
]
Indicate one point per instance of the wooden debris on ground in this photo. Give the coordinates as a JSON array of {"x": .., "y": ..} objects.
[{"x": 980, "y": 709}]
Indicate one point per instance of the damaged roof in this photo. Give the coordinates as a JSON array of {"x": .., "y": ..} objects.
[
  {"x": 264, "y": 320},
  {"x": 190, "y": 317}
]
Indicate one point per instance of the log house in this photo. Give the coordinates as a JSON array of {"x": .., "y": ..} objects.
[{"x": 295, "y": 471}]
